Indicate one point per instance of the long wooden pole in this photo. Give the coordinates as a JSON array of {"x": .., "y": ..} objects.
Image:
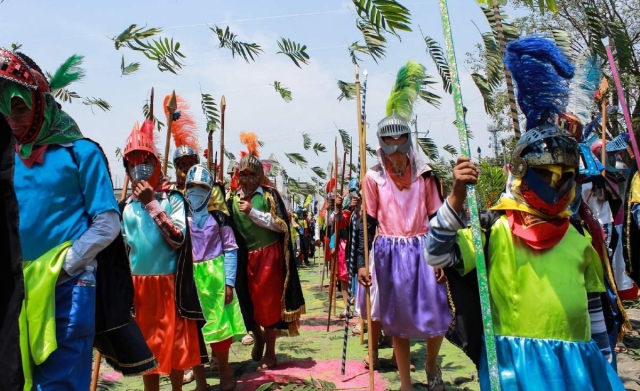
[
  {"x": 223, "y": 108},
  {"x": 362, "y": 140},
  {"x": 172, "y": 106}
]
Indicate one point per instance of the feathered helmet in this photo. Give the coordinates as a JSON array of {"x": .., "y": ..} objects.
[
  {"x": 20, "y": 77},
  {"x": 250, "y": 160},
  {"x": 139, "y": 146},
  {"x": 542, "y": 74},
  {"x": 184, "y": 131},
  {"x": 400, "y": 106}
]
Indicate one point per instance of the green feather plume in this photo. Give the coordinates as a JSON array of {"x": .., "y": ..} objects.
[
  {"x": 67, "y": 73},
  {"x": 406, "y": 90}
]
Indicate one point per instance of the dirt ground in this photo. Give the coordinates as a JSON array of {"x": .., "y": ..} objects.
[{"x": 317, "y": 354}]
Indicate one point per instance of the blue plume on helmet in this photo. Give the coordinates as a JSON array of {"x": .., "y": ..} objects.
[{"x": 542, "y": 73}]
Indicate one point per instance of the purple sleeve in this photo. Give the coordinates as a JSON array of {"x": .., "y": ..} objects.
[{"x": 228, "y": 239}]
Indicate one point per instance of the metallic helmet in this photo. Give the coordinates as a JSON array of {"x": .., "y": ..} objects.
[
  {"x": 199, "y": 175},
  {"x": 182, "y": 151},
  {"x": 393, "y": 126},
  {"x": 251, "y": 163},
  {"x": 544, "y": 145}
]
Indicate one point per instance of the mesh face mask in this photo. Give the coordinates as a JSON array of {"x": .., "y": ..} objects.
[{"x": 141, "y": 172}]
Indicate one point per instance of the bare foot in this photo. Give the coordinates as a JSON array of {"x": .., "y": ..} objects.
[
  {"x": 257, "y": 352},
  {"x": 227, "y": 381}
]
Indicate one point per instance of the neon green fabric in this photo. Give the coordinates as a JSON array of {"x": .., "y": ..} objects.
[
  {"x": 255, "y": 236},
  {"x": 222, "y": 322},
  {"x": 38, "y": 314},
  {"x": 538, "y": 294}
]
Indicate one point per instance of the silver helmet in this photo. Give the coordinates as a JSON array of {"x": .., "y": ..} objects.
[
  {"x": 393, "y": 126},
  {"x": 200, "y": 175},
  {"x": 182, "y": 151}
]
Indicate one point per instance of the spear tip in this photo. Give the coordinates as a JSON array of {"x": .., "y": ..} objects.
[
  {"x": 223, "y": 102},
  {"x": 172, "y": 105}
]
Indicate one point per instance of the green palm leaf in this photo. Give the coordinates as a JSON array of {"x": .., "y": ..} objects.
[
  {"x": 131, "y": 35},
  {"x": 165, "y": 52},
  {"x": 294, "y": 187},
  {"x": 425, "y": 93},
  {"x": 318, "y": 147},
  {"x": 128, "y": 69},
  {"x": 145, "y": 111},
  {"x": 543, "y": 5},
  {"x": 306, "y": 141},
  {"x": 16, "y": 46},
  {"x": 346, "y": 139},
  {"x": 284, "y": 92},
  {"x": 229, "y": 155},
  {"x": 450, "y": 149},
  {"x": 96, "y": 102},
  {"x": 387, "y": 15},
  {"x": 357, "y": 48},
  {"x": 370, "y": 150},
  {"x": 486, "y": 91},
  {"x": 319, "y": 172},
  {"x": 210, "y": 111},
  {"x": 65, "y": 95},
  {"x": 622, "y": 45},
  {"x": 429, "y": 148},
  {"x": 440, "y": 59},
  {"x": 229, "y": 40},
  {"x": 495, "y": 66},
  {"x": 295, "y": 51},
  {"x": 296, "y": 158},
  {"x": 509, "y": 31},
  {"x": 374, "y": 41},
  {"x": 596, "y": 30},
  {"x": 347, "y": 90},
  {"x": 563, "y": 41}
]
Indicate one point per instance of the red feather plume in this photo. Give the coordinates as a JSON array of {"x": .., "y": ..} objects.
[{"x": 185, "y": 129}]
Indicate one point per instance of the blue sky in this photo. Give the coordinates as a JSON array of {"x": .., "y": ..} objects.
[{"x": 51, "y": 31}]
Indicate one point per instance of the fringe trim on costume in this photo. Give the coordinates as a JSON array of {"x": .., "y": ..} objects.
[
  {"x": 287, "y": 316},
  {"x": 626, "y": 326},
  {"x": 133, "y": 365}
]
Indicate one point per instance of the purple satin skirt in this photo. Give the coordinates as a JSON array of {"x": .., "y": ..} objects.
[{"x": 411, "y": 303}]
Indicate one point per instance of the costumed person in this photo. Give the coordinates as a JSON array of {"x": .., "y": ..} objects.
[
  {"x": 545, "y": 277},
  {"x": 268, "y": 285},
  {"x": 12, "y": 281},
  {"x": 295, "y": 237},
  {"x": 64, "y": 240},
  {"x": 184, "y": 131},
  {"x": 401, "y": 194},
  {"x": 215, "y": 254},
  {"x": 616, "y": 323},
  {"x": 324, "y": 230},
  {"x": 339, "y": 221},
  {"x": 154, "y": 227}
]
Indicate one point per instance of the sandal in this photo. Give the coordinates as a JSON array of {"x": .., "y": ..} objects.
[
  {"x": 247, "y": 340},
  {"x": 435, "y": 382},
  {"x": 394, "y": 363},
  {"x": 620, "y": 348},
  {"x": 266, "y": 365},
  {"x": 188, "y": 377},
  {"x": 376, "y": 361}
]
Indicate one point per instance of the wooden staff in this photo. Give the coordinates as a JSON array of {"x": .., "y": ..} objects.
[
  {"x": 172, "y": 106},
  {"x": 223, "y": 108},
  {"x": 332, "y": 281},
  {"x": 362, "y": 139},
  {"x": 215, "y": 166},
  {"x": 604, "y": 90}
]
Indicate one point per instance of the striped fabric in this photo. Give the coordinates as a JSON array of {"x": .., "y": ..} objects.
[
  {"x": 440, "y": 244},
  {"x": 598, "y": 326}
]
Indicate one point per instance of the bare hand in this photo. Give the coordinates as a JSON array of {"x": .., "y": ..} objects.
[
  {"x": 354, "y": 201},
  {"x": 464, "y": 173},
  {"x": 144, "y": 192},
  {"x": 228, "y": 295},
  {"x": 245, "y": 206},
  {"x": 318, "y": 243},
  {"x": 364, "y": 277},
  {"x": 339, "y": 202},
  {"x": 440, "y": 276}
]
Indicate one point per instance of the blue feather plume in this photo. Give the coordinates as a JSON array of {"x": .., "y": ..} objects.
[
  {"x": 585, "y": 83},
  {"x": 542, "y": 73}
]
